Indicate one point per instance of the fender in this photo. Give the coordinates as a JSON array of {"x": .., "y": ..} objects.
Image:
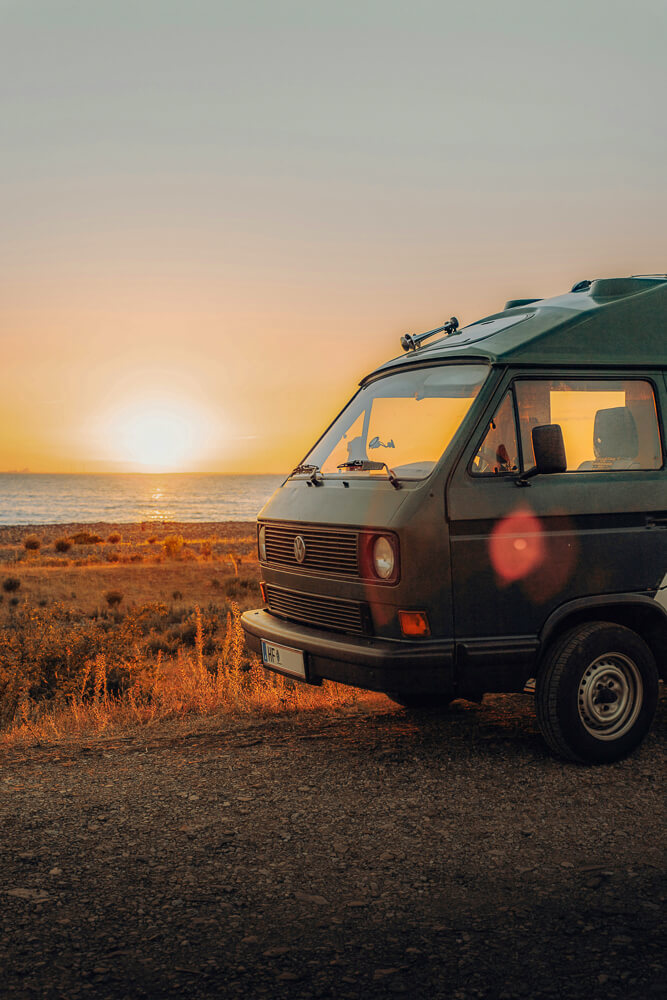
[{"x": 634, "y": 610}]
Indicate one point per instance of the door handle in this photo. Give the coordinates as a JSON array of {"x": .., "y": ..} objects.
[{"x": 656, "y": 522}]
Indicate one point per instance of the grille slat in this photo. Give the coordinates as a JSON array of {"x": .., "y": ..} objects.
[
  {"x": 335, "y": 614},
  {"x": 315, "y": 613},
  {"x": 333, "y": 552},
  {"x": 321, "y": 612}
]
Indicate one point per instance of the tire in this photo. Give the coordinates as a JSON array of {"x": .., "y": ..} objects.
[
  {"x": 420, "y": 700},
  {"x": 596, "y": 693}
]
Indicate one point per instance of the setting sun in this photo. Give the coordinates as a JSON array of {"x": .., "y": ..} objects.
[{"x": 157, "y": 436}]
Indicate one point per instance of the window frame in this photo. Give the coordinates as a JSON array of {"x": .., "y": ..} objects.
[
  {"x": 507, "y": 391},
  {"x": 622, "y": 376},
  {"x": 486, "y": 386}
]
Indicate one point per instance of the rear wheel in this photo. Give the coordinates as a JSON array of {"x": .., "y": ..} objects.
[{"x": 596, "y": 693}]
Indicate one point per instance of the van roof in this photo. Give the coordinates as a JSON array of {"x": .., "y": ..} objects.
[{"x": 610, "y": 321}]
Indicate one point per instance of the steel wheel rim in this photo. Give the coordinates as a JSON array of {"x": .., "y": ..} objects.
[{"x": 610, "y": 696}]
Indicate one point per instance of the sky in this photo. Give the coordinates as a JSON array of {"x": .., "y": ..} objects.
[{"x": 216, "y": 217}]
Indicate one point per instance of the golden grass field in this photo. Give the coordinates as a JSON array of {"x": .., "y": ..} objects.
[{"x": 107, "y": 627}]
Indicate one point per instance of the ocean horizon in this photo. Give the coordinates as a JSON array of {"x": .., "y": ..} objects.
[{"x": 130, "y": 497}]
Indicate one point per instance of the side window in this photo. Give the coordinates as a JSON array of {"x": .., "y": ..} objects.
[
  {"x": 499, "y": 451},
  {"x": 607, "y": 425}
]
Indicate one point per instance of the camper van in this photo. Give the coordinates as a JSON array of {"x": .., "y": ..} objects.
[{"x": 489, "y": 514}]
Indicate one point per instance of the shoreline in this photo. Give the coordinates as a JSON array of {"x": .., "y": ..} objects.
[{"x": 130, "y": 531}]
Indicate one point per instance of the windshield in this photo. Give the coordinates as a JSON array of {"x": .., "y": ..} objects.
[{"x": 405, "y": 420}]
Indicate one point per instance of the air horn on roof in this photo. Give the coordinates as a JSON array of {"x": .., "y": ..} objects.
[{"x": 410, "y": 342}]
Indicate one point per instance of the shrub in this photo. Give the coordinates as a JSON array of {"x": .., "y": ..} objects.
[
  {"x": 10, "y": 584},
  {"x": 173, "y": 545},
  {"x": 177, "y": 595},
  {"x": 114, "y": 538},
  {"x": 31, "y": 543},
  {"x": 14, "y": 601},
  {"x": 44, "y": 657},
  {"x": 152, "y": 540},
  {"x": 159, "y": 644},
  {"x": 62, "y": 545},
  {"x": 186, "y": 634},
  {"x": 86, "y": 538},
  {"x": 240, "y": 586},
  {"x": 176, "y": 615},
  {"x": 205, "y": 550},
  {"x": 113, "y": 598}
]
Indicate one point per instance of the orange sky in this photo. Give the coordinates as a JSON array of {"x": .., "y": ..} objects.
[{"x": 215, "y": 221}]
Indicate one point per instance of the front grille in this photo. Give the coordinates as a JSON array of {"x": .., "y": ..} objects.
[
  {"x": 328, "y": 550},
  {"x": 322, "y": 612}
]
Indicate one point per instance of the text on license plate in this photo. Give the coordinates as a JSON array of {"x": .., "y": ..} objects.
[{"x": 288, "y": 661}]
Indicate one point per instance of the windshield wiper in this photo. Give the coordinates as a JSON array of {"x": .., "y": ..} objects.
[
  {"x": 364, "y": 465},
  {"x": 304, "y": 469}
]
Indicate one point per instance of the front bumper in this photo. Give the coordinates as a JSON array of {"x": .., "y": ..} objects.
[{"x": 374, "y": 664}]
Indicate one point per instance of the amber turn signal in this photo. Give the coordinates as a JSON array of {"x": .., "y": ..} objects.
[
  {"x": 414, "y": 623},
  {"x": 262, "y": 588}
]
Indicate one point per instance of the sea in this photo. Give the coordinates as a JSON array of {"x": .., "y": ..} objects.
[{"x": 36, "y": 498}]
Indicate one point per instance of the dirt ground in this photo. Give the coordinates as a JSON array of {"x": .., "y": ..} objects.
[{"x": 370, "y": 853}]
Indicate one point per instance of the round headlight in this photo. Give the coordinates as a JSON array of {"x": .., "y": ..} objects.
[
  {"x": 261, "y": 542},
  {"x": 383, "y": 558}
]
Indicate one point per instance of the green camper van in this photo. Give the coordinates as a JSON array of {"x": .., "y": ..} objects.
[{"x": 489, "y": 513}]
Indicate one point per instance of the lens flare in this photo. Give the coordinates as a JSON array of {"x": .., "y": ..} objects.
[{"x": 517, "y": 546}]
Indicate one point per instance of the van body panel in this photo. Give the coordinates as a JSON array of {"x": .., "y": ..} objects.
[
  {"x": 584, "y": 328},
  {"x": 562, "y": 556},
  {"x": 417, "y": 519},
  {"x": 525, "y": 551},
  {"x": 361, "y": 503},
  {"x": 607, "y": 606}
]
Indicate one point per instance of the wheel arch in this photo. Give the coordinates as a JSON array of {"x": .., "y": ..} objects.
[{"x": 638, "y": 612}]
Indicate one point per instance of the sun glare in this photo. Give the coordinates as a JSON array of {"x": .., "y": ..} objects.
[{"x": 158, "y": 437}]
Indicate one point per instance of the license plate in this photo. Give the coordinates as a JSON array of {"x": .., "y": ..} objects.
[{"x": 283, "y": 658}]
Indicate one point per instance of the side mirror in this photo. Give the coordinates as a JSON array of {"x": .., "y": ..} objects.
[{"x": 549, "y": 451}]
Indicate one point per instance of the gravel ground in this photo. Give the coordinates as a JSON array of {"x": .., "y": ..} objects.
[{"x": 371, "y": 853}]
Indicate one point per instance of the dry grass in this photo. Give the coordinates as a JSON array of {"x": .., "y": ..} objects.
[
  {"x": 234, "y": 685},
  {"x": 197, "y": 562},
  {"x": 102, "y": 646}
]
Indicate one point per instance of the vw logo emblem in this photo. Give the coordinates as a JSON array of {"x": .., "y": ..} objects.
[{"x": 299, "y": 549}]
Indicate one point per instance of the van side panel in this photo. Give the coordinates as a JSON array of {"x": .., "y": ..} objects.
[{"x": 520, "y": 553}]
